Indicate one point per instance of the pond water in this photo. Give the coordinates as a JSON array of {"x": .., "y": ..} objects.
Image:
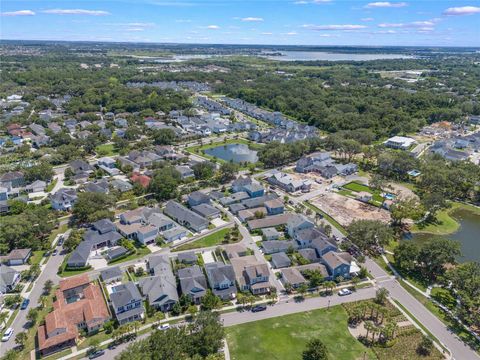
[
  {"x": 233, "y": 152},
  {"x": 329, "y": 56},
  {"x": 468, "y": 235}
]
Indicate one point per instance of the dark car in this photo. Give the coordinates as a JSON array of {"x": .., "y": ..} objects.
[
  {"x": 259, "y": 308},
  {"x": 24, "y": 304},
  {"x": 96, "y": 354}
]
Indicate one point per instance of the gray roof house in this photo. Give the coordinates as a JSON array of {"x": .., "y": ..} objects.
[
  {"x": 193, "y": 283},
  {"x": 280, "y": 260},
  {"x": 275, "y": 246},
  {"x": 270, "y": 233},
  {"x": 9, "y": 278},
  {"x": 63, "y": 199},
  {"x": 79, "y": 166},
  {"x": 36, "y": 186},
  {"x": 298, "y": 222},
  {"x": 160, "y": 290},
  {"x": 188, "y": 257},
  {"x": 197, "y": 198},
  {"x": 221, "y": 279},
  {"x": 207, "y": 211},
  {"x": 185, "y": 217},
  {"x": 111, "y": 274},
  {"x": 127, "y": 303}
]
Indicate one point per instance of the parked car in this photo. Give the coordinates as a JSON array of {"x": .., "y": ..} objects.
[
  {"x": 7, "y": 335},
  {"x": 258, "y": 308},
  {"x": 344, "y": 292},
  {"x": 164, "y": 327},
  {"x": 96, "y": 354},
  {"x": 24, "y": 304},
  {"x": 55, "y": 252}
]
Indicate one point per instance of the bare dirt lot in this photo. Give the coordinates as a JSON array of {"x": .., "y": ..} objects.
[{"x": 345, "y": 210}]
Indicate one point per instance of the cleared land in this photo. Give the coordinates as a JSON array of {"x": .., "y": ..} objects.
[
  {"x": 284, "y": 338},
  {"x": 346, "y": 210}
]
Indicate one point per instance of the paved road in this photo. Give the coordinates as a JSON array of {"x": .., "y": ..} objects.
[
  {"x": 460, "y": 350},
  {"x": 280, "y": 309},
  {"x": 20, "y": 323}
]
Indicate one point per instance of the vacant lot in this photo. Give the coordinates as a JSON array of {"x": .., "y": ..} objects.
[
  {"x": 345, "y": 210},
  {"x": 284, "y": 338}
]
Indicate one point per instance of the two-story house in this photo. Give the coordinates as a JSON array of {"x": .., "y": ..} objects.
[
  {"x": 221, "y": 279},
  {"x": 127, "y": 303},
  {"x": 251, "y": 274}
]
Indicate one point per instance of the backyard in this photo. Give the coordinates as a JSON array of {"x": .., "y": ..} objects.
[
  {"x": 286, "y": 337},
  {"x": 210, "y": 240},
  {"x": 352, "y": 188}
]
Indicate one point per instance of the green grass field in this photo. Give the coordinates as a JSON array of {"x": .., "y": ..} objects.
[
  {"x": 106, "y": 150},
  {"x": 210, "y": 240},
  {"x": 357, "y": 187},
  {"x": 284, "y": 338}
]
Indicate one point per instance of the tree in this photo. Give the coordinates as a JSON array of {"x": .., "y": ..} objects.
[
  {"x": 425, "y": 347},
  {"x": 164, "y": 183},
  {"x": 43, "y": 171},
  {"x": 207, "y": 333},
  {"x": 381, "y": 296},
  {"x": 177, "y": 309},
  {"x": 435, "y": 254},
  {"x": 32, "y": 315},
  {"x": 210, "y": 301},
  {"x": 204, "y": 170},
  {"x": 302, "y": 290},
  {"x": 406, "y": 255},
  {"x": 227, "y": 172},
  {"x": 406, "y": 209},
  {"x": 47, "y": 287},
  {"x": 91, "y": 207},
  {"x": 369, "y": 235},
  {"x": 94, "y": 343},
  {"x": 316, "y": 350},
  {"x": 3, "y": 317},
  {"x": 163, "y": 137},
  {"x": 21, "y": 339}
]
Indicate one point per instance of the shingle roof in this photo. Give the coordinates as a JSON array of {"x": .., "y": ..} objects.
[
  {"x": 111, "y": 273},
  {"x": 124, "y": 293}
]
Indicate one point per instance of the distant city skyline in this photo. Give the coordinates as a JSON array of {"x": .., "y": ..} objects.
[{"x": 274, "y": 22}]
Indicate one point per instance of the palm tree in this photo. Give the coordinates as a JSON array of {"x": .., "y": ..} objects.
[
  {"x": 288, "y": 288},
  {"x": 302, "y": 290},
  {"x": 135, "y": 326},
  {"x": 3, "y": 317},
  {"x": 368, "y": 327},
  {"x": 43, "y": 300}
]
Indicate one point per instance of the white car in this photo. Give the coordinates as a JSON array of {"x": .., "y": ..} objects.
[
  {"x": 7, "y": 334},
  {"x": 164, "y": 327},
  {"x": 344, "y": 292}
]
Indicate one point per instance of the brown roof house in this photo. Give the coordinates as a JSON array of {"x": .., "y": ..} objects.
[
  {"x": 251, "y": 274},
  {"x": 79, "y": 306}
]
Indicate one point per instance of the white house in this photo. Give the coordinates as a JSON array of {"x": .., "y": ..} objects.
[{"x": 399, "y": 142}]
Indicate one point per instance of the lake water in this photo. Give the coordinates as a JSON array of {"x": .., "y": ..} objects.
[
  {"x": 233, "y": 152},
  {"x": 468, "y": 235},
  {"x": 329, "y": 56}
]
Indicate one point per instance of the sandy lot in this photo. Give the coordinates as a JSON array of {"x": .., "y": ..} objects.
[{"x": 345, "y": 210}]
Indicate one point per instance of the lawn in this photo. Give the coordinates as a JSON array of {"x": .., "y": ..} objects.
[
  {"x": 60, "y": 230},
  {"x": 36, "y": 257},
  {"x": 210, "y": 240},
  {"x": 51, "y": 185},
  {"x": 106, "y": 150},
  {"x": 446, "y": 223},
  {"x": 357, "y": 187},
  {"x": 284, "y": 338},
  {"x": 140, "y": 252}
]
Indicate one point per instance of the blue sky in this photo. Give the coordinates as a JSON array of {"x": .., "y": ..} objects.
[{"x": 297, "y": 22}]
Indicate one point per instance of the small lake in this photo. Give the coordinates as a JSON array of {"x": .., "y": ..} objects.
[
  {"x": 468, "y": 235},
  {"x": 237, "y": 153},
  {"x": 329, "y": 56}
]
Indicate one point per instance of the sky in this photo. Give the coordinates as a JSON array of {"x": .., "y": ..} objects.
[{"x": 278, "y": 22}]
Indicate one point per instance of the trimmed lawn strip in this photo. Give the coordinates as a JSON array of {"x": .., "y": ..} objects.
[
  {"x": 36, "y": 257},
  {"x": 140, "y": 252},
  {"x": 207, "y": 241},
  {"x": 330, "y": 219},
  {"x": 51, "y": 185},
  {"x": 285, "y": 337}
]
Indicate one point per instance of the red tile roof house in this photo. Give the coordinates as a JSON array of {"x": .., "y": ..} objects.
[
  {"x": 143, "y": 180},
  {"x": 79, "y": 304}
]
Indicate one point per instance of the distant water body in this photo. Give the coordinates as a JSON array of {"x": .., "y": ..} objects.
[{"x": 329, "y": 56}]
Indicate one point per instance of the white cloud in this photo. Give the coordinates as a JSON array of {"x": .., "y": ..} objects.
[
  {"x": 213, "y": 27},
  {"x": 386, "y": 4},
  {"x": 426, "y": 24},
  {"x": 252, "y": 19},
  {"x": 141, "y": 24},
  {"x": 76, "y": 12},
  {"x": 136, "y": 29},
  {"x": 291, "y": 33},
  {"x": 18, "y": 13},
  {"x": 344, "y": 27},
  {"x": 267, "y": 33},
  {"x": 304, "y": 2},
  {"x": 367, "y": 19},
  {"x": 462, "y": 10}
]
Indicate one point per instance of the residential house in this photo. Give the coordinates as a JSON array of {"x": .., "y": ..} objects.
[
  {"x": 251, "y": 274},
  {"x": 193, "y": 283},
  {"x": 254, "y": 190},
  {"x": 288, "y": 183},
  {"x": 297, "y": 222},
  {"x": 111, "y": 274},
  {"x": 185, "y": 217},
  {"x": 276, "y": 246},
  {"x": 80, "y": 166},
  {"x": 197, "y": 198},
  {"x": 185, "y": 171},
  {"x": 221, "y": 278},
  {"x": 36, "y": 186},
  {"x": 269, "y": 221},
  {"x": 9, "y": 278},
  {"x": 274, "y": 207},
  {"x": 280, "y": 260},
  {"x": 293, "y": 277},
  {"x": 188, "y": 257},
  {"x": 338, "y": 264},
  {"x": 270, "y": 234},
  {"x": 240, "y": 183},
  {"x": 399, "y": 142},
  {"x": 127, "y": 303},
  {"x": 235, "y": 250},
  {"x": 17, "y": 257},
  {"x": 79, "y": 305},
  {"x": 121, "y": 185},
  {"x": 207, "y": 211},
  {"x": 115, "y": 253},
  {"x": 160, "y": 289},
  {"x": 63, "y": 199},
  {"x": 176, "y": 233},
  {"x": 12, "y": 179}
]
